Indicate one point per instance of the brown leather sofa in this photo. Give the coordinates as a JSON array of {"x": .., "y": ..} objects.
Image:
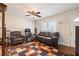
[
  {"x": 16, "y": 37},
  {"x": 48, "y": 38}
]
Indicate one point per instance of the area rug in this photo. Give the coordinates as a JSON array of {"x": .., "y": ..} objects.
[{"x": 34, "y": 48}]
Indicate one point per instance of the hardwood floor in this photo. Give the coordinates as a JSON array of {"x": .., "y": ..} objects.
[{"x": 67, "y": 50}]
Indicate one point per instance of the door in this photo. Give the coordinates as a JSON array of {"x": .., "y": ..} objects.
[{"x": 77, "y": 39}]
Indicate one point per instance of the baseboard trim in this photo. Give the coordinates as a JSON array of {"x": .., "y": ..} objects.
[{"x": 66, "y": 45}]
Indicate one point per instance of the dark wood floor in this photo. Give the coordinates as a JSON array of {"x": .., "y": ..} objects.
[{"x": 67, "y": 50}]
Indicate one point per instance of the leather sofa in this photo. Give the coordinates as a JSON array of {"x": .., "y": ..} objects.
[
  {"x": 48, "y": 38},
  {"x": 16, "y": 37}
]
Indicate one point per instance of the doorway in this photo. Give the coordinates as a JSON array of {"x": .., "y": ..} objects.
[{"x": 77, "y": 39}]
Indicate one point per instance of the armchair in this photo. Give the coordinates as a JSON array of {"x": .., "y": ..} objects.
[{"x": 16, "y": 37}]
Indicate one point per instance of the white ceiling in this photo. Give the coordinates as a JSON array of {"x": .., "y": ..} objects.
[{"x": 46, "y": 9}]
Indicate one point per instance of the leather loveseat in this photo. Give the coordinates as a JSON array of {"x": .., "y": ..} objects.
[{"x": 16, "y": 37}]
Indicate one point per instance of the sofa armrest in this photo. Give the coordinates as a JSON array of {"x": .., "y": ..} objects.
[{"x": 54, "y": 37}]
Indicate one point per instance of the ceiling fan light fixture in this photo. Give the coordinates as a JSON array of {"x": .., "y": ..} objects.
[{"x": 33, "y": 13}]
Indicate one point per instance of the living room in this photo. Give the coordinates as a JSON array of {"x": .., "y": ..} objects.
[{"x": 56, "y": 24}]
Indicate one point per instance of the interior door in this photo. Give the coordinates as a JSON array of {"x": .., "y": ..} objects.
[{"x": 77, "y": 40}]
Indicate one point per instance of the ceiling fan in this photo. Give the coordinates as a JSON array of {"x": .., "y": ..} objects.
[{"x": 33, "y": 13}]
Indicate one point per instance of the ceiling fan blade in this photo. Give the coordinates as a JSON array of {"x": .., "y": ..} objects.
[
  {"x": 28, "y": 11},
  {"x": 38, "y": 13},
  {"x": 27, "y": 15}
]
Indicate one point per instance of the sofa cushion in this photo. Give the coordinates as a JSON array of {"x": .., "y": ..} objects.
[
  {"x": 17, "y": 39},
  {"x": 44, "y": 37},
  {"x": 55, "y": 35},
  {"x": 40, "y": 34},
  {"x": 47, "y": 34}
]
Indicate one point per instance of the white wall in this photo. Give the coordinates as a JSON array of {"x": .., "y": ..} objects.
[
  {"x": 15, "y": 23},
  {"x": 64, "y": 26}
]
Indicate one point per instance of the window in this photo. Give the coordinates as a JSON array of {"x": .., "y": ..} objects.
[
  {"x": 50, "y": 26},
  {"x": 44, "y": 27}
]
